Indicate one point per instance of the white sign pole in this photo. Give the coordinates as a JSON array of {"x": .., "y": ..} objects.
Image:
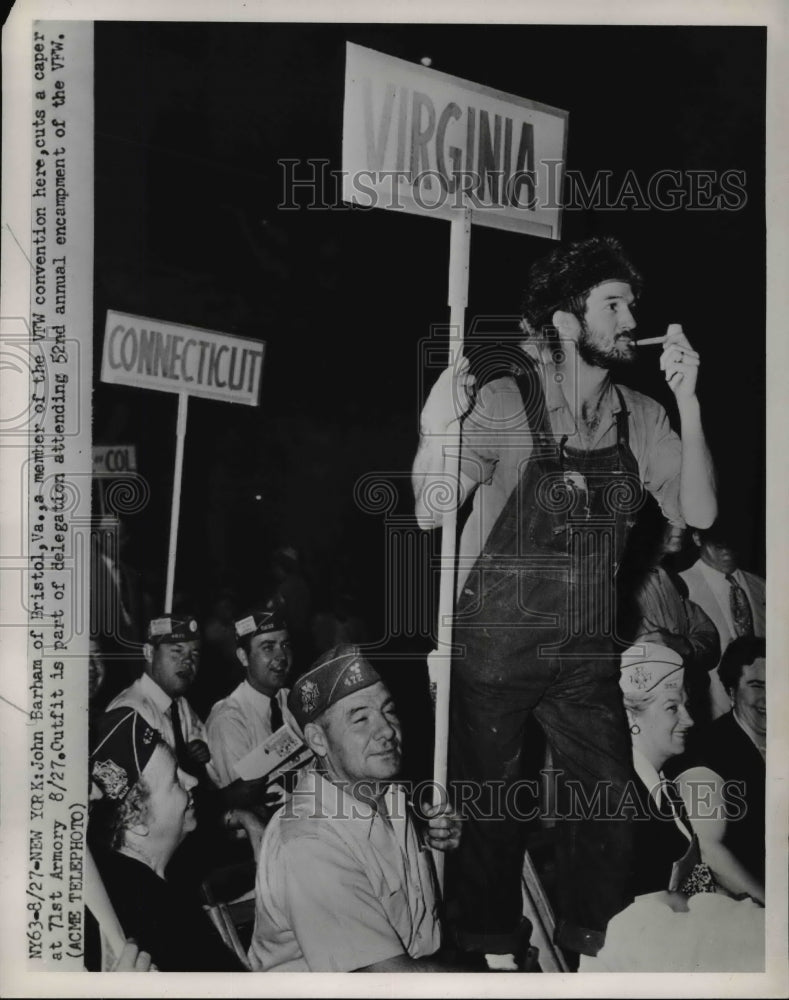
[
  {"x": 98, "y": 902},
  {"x": 439, "y": 661},
  {"x": 175, "y": 510},
  {"x": 186, "y": 360},
  {"x": 404, "y": 128}
]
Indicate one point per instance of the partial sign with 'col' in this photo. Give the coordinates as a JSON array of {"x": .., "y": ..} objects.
[
  {"x": 153, "y": 354},
  {"x": 114, "y": 459},
  {"x": 428, "y": 143}
]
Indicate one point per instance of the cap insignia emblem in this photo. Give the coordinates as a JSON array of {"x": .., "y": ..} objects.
[
  {"x": 161, "y": 626},
  {"x": 112, "y": 778},
  {"x": 245, "y": 626},
  {"x": 309, "y": 696}
]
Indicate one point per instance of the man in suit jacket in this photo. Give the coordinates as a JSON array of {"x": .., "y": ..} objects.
[{"x": 733, "y": 598}]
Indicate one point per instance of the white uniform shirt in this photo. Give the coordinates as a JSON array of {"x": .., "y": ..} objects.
[
  {"x": 341, "y": 886},
  {"x": 237, "y": 724},
  {"x": 146, "y": 697}
]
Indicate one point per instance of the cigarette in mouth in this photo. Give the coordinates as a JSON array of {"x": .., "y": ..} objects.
[{"x": 649, "y": 341}]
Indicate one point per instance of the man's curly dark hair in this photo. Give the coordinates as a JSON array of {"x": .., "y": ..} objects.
[
  {"x": 738, "y": 655},
  {"x": 564, "y": 278}
]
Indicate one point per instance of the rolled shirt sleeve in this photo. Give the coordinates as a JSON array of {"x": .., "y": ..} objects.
[
  {"x": 658, "y": 451},
  {"x": 480, "y": 451},
  {"x": 497, "y": 444}
]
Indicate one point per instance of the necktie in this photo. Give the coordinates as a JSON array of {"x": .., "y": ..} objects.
[
  {"x": 276, "y": 715},
  {"x": 740, "y": 608},
  {"x": 180, "y": 744},
  {"x": 178, "y": 732}
]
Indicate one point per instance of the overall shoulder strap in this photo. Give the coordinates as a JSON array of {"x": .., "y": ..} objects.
[{"x": 622, "y": 422}]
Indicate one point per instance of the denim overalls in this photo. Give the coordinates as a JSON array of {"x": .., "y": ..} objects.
[{"x": 534, "y": 632}]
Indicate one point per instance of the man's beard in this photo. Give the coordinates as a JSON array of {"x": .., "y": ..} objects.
[{"x": 596, "y": 356}]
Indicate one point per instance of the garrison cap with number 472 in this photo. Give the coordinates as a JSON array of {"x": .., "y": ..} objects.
[{"x": 338, "y": 673}]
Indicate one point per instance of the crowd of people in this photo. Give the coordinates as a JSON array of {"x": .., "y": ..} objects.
[
  {"x": 344, "y": 878},
  {"x": 649, "y": 686}
]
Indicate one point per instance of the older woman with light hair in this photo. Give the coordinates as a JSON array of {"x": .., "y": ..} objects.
[
  {"x": 142, "y": 810},
  {"x": 683, "y": 918}
]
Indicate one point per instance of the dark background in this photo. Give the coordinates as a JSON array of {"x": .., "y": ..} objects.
[{"x": 190, "y": 123}]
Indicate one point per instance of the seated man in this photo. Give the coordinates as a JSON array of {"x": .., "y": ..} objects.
[
  {"x": 143, "y": 811},
  {"x": 733, "y": 598},
  {"x": 345, "y": 882},
  {"x": 172, "y": 657},
  {"x": 247, "y": 717}
]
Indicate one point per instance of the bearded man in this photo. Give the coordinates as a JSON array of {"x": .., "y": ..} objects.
[{"x": 557, "y": 456}]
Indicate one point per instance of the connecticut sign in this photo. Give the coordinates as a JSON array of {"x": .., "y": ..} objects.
[{"x": 153, "y": 354}]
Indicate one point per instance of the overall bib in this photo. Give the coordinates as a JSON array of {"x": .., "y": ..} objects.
[{"x": 535, "y": 636}]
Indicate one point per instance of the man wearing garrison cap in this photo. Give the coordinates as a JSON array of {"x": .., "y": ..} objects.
[
  {"x": 344, "y": 882},
  {"x": 254, "y": 710},
  {"x": 172, "y": 657},
  {"x": 557, "y": 456}
]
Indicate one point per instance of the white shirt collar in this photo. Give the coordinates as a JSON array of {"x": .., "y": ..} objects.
[
  {"x": 715, "y": 578},
  {"x": 157, "y": 695}
]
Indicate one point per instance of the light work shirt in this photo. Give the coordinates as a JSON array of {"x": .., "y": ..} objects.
[{"x": 341, "y": 886}]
